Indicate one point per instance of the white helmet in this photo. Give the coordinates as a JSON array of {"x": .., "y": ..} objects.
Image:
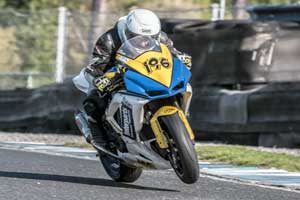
[{"x": 142, "y": 22}]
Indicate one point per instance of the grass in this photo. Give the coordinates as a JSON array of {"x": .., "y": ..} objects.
[
  {"x": 84, "y": 145},
  {"x": 238, "y": 155}
]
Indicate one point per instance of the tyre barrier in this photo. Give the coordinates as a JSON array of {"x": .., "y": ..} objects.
[{"x": 49, "y": 109}]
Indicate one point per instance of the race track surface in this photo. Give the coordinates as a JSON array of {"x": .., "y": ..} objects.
[{"x": 30, "y": 176}]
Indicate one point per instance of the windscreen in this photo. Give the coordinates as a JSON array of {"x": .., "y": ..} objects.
[{"x": 136, "y": 46}]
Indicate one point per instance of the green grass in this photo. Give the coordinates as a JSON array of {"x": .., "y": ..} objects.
[
  {"x": 84, "y": 145},
  {"x": 238, "y": 155}
]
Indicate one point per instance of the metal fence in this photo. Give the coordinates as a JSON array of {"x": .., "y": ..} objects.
[{"x": 50, "y": 45}]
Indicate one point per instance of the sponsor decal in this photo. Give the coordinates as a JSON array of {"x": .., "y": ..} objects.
[
  {"x": 156, "y": 64},
  {"x": 146, "y": 30},
  {"x": 127, "y": 121}
]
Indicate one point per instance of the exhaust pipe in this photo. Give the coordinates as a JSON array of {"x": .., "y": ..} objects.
[{"x": 82, "y": 124}]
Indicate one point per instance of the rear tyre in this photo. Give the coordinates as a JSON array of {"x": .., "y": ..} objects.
[
  {"x": 183, "y": 157},
  {"x": 118, "y": 171}
]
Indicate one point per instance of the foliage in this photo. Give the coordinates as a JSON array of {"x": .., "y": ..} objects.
[
  {"x": 36, "y": 23},
  {"x": 84, "y": 145},
  {"x": 36, "y": 30},
  {"x": 250, "y": 2},
  {"x": 256, "y": 2},
  {"x": 33, "y": 5},
  {"x": 35, "y": 39}
]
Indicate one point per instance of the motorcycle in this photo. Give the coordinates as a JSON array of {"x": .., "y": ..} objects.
[{"x": 147, "y": 115}]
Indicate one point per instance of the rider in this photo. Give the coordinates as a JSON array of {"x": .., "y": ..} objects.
[{"x": 138, "y": 22}]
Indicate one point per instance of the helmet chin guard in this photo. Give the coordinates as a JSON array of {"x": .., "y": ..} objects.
[{"x": 142, "y": 22}]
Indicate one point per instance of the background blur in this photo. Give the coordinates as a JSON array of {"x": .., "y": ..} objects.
[
  {"x": 245, "y": 63},
  {"x": 31, "y": 31}
]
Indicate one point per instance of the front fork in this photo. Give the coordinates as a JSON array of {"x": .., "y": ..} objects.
[
  {"x": 186, "y": 99},
  {"x": 158, "y": 131}
]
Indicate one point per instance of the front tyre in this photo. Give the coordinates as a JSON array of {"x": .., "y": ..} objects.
[
  {"x": 118, "y": 171},
  {"x": 183, "y": 157}
]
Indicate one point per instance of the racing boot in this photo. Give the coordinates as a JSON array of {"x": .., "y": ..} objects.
[
  {"x": 98, "y": 134},
  {"x": 90, "y": 129}
]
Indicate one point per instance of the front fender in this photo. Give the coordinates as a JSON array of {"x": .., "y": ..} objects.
[{"x": 159, "y": 133}]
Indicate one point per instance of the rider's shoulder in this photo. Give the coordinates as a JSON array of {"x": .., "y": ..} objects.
[
  {"x": 163, "y": 34},
  {"x": 109, "y": 38},
  {"x": 108, "y": 34},
  {"x": 164, "y": 38}
]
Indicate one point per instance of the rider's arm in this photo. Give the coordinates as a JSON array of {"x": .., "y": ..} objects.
[
  {"x": 185, "y": 58},
  {"x": 101, "y": 56},
  {"x": 167, "y": 41},
  {"x": 110, "y": 80}
]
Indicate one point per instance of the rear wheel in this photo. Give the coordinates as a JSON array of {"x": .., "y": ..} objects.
[
  {"x": 183, "y": 157},
  {"x": 118, "y": 171}
]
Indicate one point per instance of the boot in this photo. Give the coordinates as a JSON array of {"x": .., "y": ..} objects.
[
  {"x": 94, "y": 107},
  {"x": 98, "y": 134}
]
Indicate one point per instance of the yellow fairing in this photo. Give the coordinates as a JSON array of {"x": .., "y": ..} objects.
[
  {"x": 110, "y": 75},
  {"x": 152, "y": 64},
  {"x": 159, "y": 133}
]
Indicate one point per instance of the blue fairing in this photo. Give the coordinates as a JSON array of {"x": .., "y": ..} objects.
[{"x": 141, "y": 85}]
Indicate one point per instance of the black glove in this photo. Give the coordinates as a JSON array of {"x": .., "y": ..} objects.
[
  {"x": 95, "y": 67},
  {"x": 94, "y": 71}
]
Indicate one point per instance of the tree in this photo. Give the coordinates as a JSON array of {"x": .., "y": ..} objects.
[
  {"x": 238, "y": 11},
  {"x": 36, "y": 30}
]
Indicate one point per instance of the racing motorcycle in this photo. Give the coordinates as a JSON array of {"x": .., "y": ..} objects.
[{"x": 147, "y": 114}]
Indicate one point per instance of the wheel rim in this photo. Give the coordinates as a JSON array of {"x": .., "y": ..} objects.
[
  {"x": 112, "y": 165},
  {"x": 175, "y": 157}
]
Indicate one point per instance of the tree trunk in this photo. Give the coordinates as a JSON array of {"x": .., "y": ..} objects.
[
  {"x": 95, "y": 28},
  {"x": 238, "y": 9}
]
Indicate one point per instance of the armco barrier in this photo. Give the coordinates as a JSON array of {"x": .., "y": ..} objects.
[
  {"x": 263, "y": 115},
  {"x": 246, "y": 116}
]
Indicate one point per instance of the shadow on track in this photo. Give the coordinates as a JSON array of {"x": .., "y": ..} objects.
[{"x": 78, "y": 180}]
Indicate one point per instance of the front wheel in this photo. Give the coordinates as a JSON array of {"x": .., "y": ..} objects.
[{"x": 183, "y": 157}]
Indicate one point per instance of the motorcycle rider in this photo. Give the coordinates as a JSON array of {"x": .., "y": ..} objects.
[{"x": 138, "y": 22}]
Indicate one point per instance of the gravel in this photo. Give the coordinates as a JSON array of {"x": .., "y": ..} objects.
[{"x": 56, "y": 139}]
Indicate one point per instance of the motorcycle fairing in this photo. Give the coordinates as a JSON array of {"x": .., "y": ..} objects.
[
  {"x": 138, "y": 83},
  {"x": 155, "y": 65},
  {"x": 139, "y": 154}
]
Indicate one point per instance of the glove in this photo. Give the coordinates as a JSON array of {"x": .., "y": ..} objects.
[
  {"x": 186, "y": 59},
  {"x": 95, "y": 68},
  {"x": 94, "y": 71}
]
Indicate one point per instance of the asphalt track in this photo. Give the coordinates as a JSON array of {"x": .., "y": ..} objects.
[{"x": 30, "y": 176}]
